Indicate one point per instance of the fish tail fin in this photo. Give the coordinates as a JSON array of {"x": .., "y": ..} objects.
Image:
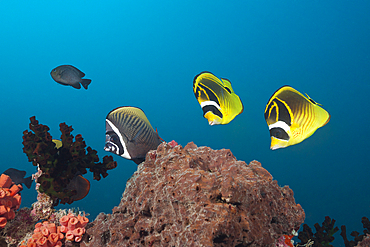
[
  {"x": 28, "y": 182},
  {"x": 85, "y": 83}
]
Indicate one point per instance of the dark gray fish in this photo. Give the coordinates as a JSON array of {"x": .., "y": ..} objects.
[
  {"x": 81, "y": 185},
  {"x": 129, "y": 134},
  {"x": 69, "y": 75},
  {"x": 17, "y": 177}
]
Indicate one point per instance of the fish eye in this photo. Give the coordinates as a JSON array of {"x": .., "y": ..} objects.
[
  {"x": 114, "y": 138},
  {"x": 278, "y": 133}
]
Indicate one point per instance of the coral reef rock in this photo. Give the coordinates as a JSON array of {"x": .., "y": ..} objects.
[{"x": 197, "y": 197}]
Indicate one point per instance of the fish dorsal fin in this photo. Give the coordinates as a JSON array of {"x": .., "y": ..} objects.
[
  {"x": 227, "y": 85},
  {"x": 313, "y": 102},
  {"x": 159, "y": 136},
  {"x": 133, "y": 111},
  {"x": 80, "y": 73}
]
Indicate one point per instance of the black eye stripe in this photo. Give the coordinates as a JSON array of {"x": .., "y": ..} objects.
[
  {"x": 212, "y": 109},
  {"x": 279, "y": 133},
  {"x": 111, "y": 136}
]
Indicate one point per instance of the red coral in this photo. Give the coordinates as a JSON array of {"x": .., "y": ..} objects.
[
  {"x": 198, "y": 196},
  {"x": 173, "y": 143},
  {"x": 288, "y": 240},
  {"x": 10, "y": 199}
]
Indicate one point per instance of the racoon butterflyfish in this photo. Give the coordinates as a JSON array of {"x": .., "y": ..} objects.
[
  {"x": 129, "y": 134},
  {"x": 219, "y": 103},
  {"x": 292, "y": 117}
]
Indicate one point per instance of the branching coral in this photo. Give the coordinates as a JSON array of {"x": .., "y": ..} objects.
[
  {"x": 62, "y": 166},
  {"x": 322, "y": 237},
  {"x": 357, "y": 237},
  {"x": 324, "y": 234}
]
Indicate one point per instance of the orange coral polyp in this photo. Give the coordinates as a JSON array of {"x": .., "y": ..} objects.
[
  {"x": 5, "y": 181},
  {"x": 18, "y": 198},
  {"x": 79, "y": 231},
  {"x": 10, "y": 215},
  {"x": 45, "y": 231},
  {"x": 37, "y": 235},
  {"x": 2, "y": 193},
  {"x": 53, "y": 238},
  {"x": 69, "y": 236},
  {"x": 38, "y": 225},
  {"x": 3, "y": 221},
  {"x": 31, "y": 245},
  {"x": 63, "y": 229},
  {"x": 15, "y": 189},
  {"x": 78, "y": 239},
  {"x": 52, "y": 228},
  {"x": 42, "y": 242},
  {"x": 83, "y": 220},
  {"x": 3, "y": 210},
  {"x": 72, "y": 223},
  {"x": 7, "y": 202},
  {"x": 10, "y": 200},
  {"x": 64, "y": 220}
]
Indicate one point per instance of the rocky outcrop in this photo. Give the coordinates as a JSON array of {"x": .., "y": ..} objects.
[{"x": 196, "y": 196}]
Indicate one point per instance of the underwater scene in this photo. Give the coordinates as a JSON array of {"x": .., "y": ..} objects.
[{"x": 284, "y": 83}]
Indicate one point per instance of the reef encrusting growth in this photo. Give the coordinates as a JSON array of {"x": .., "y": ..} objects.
[
  {"x": 62, "y": 166},
  {"x": 198, "y": 197}
]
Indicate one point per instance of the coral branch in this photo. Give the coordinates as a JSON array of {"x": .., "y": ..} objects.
[{"x": 61, "y": 166}]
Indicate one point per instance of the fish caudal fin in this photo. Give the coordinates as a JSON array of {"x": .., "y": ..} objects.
[
  {"x": 85, "y": 83},
  {"x": 28, "y": 182}
]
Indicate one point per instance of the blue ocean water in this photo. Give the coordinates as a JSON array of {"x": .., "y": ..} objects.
[{"x": 146, "y": 54}]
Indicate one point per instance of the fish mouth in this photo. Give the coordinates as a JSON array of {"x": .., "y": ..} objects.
[
  {"x": 111, "y": 147},
  {"x": 275, "y": 147}
]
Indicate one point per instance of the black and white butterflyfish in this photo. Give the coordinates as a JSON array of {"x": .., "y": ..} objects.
[
  {"x": 129, "y": 134},
  {"x": 219, "y": 103},
  {"x": 292, "y": 117}
]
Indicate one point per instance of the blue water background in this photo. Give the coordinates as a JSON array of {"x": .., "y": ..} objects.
[{"x": 146, "y": 54}]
